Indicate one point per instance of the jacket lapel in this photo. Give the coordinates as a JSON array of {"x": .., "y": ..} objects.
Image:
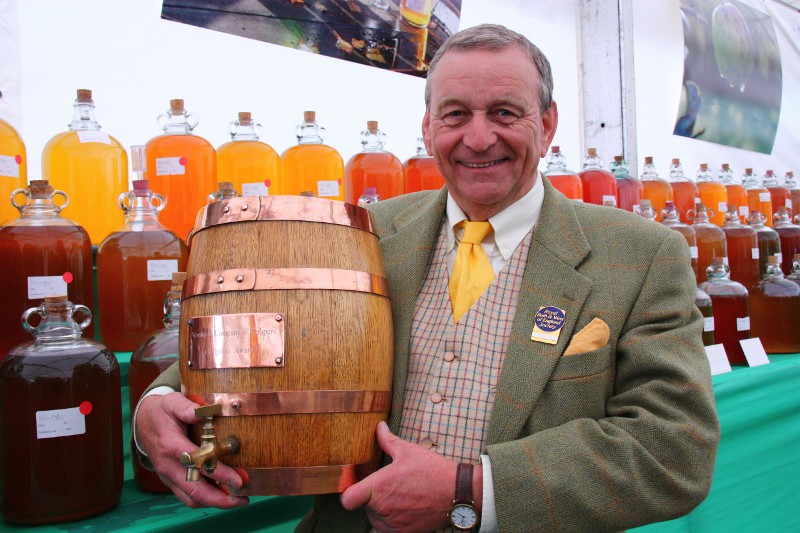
[{"x": 550, "y": 279}]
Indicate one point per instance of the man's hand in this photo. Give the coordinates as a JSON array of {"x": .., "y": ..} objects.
[
  {"x": 161, "y": 431},
  {"x": 413, "y": 493}
]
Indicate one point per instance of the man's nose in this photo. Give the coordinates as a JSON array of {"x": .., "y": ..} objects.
[{"x": 479, "y": 133}]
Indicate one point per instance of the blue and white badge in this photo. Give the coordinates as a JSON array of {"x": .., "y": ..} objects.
[{"x": 547, "y": 324}]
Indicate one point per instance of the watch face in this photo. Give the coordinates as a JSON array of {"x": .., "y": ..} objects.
[{"x": 463, "y": 516}]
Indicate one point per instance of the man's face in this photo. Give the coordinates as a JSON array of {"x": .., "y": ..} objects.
[{"x": 484, "y": 127}]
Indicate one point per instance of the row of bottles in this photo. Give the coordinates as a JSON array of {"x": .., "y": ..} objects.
[
  {"x": 91, "y": 166},
  {"x": 718, "y": 192}
]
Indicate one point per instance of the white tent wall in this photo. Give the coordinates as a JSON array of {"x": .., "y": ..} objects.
[{"x": 135, "y": 62}]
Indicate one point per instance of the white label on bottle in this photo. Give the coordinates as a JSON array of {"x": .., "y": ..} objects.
[
  {"x": 718, "y": 359},
  {"x": 779, "y": 255},
  {"x": 756, "y": 254},
  {"x": 255, "y": 189},
  {"x": 788, "y": 203},
  {"x": 41, "y": 286},
  {"x": 636, "y": 208},
  {"x": 610, "y": 198},
  {"x": 170, "y": 166},
  {"x": 327, "y": 188},
  {"x": 60, "y": 423},
  {"x": 764, "y": 197},
  {"x": 725, "y": 261},
  {"x": 722, "y": 207},
  {"x": 91, "y": 136},
  {"x": 743, "y": 324},
  {"x": 693, "y": 252},
  {"x": 708, "y": 323},
  {"x": 744, "y": 210},
  {"x": 698, "y": 200},
  {"x": 161, "y": 269},
  {"x": 9, "y": 166}
]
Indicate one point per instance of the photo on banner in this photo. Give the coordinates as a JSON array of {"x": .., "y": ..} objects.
[
  {"x": 397, "y": 35},
  {"x": 732, "y": 80}
]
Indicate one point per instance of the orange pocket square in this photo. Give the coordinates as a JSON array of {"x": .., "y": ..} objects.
[{"x": 595, "y": 335}]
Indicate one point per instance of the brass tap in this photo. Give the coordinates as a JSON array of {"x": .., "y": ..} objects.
[{"x": 211, "y": 449}]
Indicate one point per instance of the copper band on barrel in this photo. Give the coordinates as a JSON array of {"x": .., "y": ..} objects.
[
  {"x": 296, "y": 402},
  {"x": 295, "y": 208},
  {"x": 266, "y": 279},
  {"x": 300, "y": 480}
]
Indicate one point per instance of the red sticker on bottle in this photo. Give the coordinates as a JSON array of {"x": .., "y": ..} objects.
[
  {"x": 68, "y": 277},
  {"x": 182, "y": 161},
  {"x": 18, "y": 159},
  {"x": 85, "y": 408},
  {"x": 339, "y": 182},
  {"x": 267, "y": 183}
]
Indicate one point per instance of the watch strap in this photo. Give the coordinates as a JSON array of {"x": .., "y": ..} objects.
[{"x": 464, "y": 483}]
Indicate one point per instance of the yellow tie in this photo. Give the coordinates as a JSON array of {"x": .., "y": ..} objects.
[{"x": 472, "y": 271}]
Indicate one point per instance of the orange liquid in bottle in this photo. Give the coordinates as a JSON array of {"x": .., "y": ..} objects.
[
  {"x": 93, "y": 174},
  {"x": 743, "y": 255},
  {"x": 250, "y": 166},
  {"x": 183, "y": 169},
  {"x": 658, "y": 192},
  {"x": 313, "y": 170},
  {"x": 761, "y": 200},
  {"x": 774, "y": 315},
  {"x": 715, "y": 196},
  {"x": 38, "y": 251},
  {"x": 423, "y": 175},
  {"x": 49, "y": 480},
  {"x": 710, "y": 244},
  {"x": 569, "y": 184},
  {"x": 779, "y": 197},
  {"x": 737, "y": 196},
  {"x": 13, "y": 168},
  {"x": 130, "y": 300},
  {"x": 381, "y": 170},
  {"x": 706, "y": 308},
  {"x": 596, "y": 184},
  {"x": 684, "y": 193}
]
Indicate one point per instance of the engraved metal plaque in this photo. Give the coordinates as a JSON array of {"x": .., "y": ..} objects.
[{"x": 248, "y": 340}]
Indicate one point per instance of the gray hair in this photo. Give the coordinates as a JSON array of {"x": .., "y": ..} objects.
[{"x": 495, "y": 37}]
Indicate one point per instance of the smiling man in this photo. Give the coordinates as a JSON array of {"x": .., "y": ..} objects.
[{"x": 549, "y": 370}]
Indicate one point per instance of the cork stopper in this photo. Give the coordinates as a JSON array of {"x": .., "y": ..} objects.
[
  {"x": 618, "y": 158},
  {"x": 372, "y": 126},
  {"x": 772, "y": 260},
  {"x": 699, "y": 206},
  {"x": 61, "y": 298},
  {"x": 40, "y": 189},
  {"x": 789, "y": 174},
  {"x": 592, "y": 152},
  {"x": 726, "y": 166},
  {"x": 225, "y": 185},
  {"x": 748, "y": 171},
  {"x": 309, "y": 116},
  {"x": 768, "y": 172},
  {"x": 796, "y": 257},
  {"x": 717, "y": 261},
  {"x": 176, "y": 106},
  {"x": 676, "y": 161},
  {"x": 703, "y": 166},
  {"x": 669, "y": 203},
  {"x": 177, "y": 281},
  {"x": 648, "y": 160},
  {"x": 141, "y": 187},
  {"x": 84, "y": 96},
  {"x": 555, "y": 149}
]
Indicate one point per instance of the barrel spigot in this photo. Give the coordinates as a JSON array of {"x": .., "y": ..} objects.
[{"x": 211, "y": 449}]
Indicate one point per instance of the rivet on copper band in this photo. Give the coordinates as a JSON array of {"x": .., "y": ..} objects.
[
  {"x": 244, "y": 207},
  {"x": 278, "y": 318},
  {"x": 226, "y": 209},
  {"x": 239, "y": 278},
  {"x": 220, "y": 280}
]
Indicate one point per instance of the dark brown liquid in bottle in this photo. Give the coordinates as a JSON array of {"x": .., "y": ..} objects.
[
  {"x": 728, "y": 309},
  {"x": 33, "y": 251},
  {"x": 64, "y": 478},
  {"x": 132, "y": 307},
  {"x": 775, "y": 314}
]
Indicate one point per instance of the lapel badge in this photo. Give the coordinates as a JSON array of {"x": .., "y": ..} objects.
[{"x": 547, "y": 324}]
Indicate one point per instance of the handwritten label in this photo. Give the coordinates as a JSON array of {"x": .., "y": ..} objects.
[
  {"x": 161, "y": 269},
  {"x": 743, "y": 324},
  {"x": 764, "y": 197},
  {"x": 722, "y": 207},
  {"x": 327, "y": 188},
  {"x": 779, "y": 255},
  {"x": 41, "y": 286},
  {"x": 9, "y": 167},
  {"x": 708, "y": 323},
  {"x": 718, "y": 359},
  {"x": 170, "y": 166},
  {"x": 693, "y": 252},
  {"x": 756, "y": 253},
  {"x": 91, "y": 136},
  {"x": 60, "y": 423},
  {"x": 754, "y": 352},
  {"x": 255, "y": 189},
  {"x": 788, "y": 203},
  {"x": 744, "y": 210}
]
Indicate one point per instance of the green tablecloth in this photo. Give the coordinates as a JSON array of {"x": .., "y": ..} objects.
[{"x": 756, "y": 481}]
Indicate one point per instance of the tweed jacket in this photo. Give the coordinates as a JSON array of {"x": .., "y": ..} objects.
[{"x": 620, "y": 436}]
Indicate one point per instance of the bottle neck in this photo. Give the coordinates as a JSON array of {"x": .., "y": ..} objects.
[
  {"x": 750, "y": 181},
  {"x": 592, "y": 162},
  {"x": 57, "y": 324},
  {"x": 773, "y": 272},
  {"x": 177, "y": 124},
  {"x": 310, "y": 133},
  {"x": 649, "y": 172},
  {"x": 244, "y": 132},
  {"x": 141, "y": 215},
  {"x": 83, "y": 118},
  {"x": 40, "y": 208},
  {"x": 620, "y": 169},
  {"x": 373, "y": 141}
]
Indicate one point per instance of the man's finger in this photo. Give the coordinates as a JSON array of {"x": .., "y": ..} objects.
[{"x": 356, "y": 496}]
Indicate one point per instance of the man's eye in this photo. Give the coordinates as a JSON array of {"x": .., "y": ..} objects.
[
  {"x": 454, "y": 117},
  {"x": 505, "y": 116}
]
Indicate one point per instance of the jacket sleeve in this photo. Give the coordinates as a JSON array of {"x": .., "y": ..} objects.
[
  {"x": 169, "y": 378},
  {"x": 650, "y": 456}
]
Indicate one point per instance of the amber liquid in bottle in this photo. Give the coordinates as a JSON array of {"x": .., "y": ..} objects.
[
  {"x": 422, "y": 174},
  {"x": 381, "y": 170},
  {"x": 684, "y": 193},
  {"x": 779, "y": 196},
  {"x": 790, "y": 245},
  {"x": 49, "y": 480},
  {"x": 704, "y": 304},
  {"x": 774, "y": 316},
  {"x": 737, "y": 196},
  {"x": 36, "y": 251},
  {"x": 769, "y": 243},
  {"x": 710, "y": 242},
  {"x": 714, "y": 195},
  {"x": 13, "y": 168},
  {"x": 743, "y": 254},
  {"x": 313, "y": 170},
  {"x": 569, "y": 185},
  {"x": 761, "y": 200},
  {"x": 130, "y": 300},
  {"x": 658, "y": 191},
  {"x": 252, "y": 166},
  {"x": 727, "y": 310}
]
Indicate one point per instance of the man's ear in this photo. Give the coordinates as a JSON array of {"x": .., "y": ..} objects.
[
  {"x": 549, "y": 125},
  {"x": 426, "y": 125}
]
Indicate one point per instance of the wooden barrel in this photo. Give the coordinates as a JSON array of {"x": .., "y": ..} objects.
[{"x": 286, "y": 322}]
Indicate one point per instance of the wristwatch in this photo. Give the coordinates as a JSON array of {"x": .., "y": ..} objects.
[{"x": 463, "y": 515}]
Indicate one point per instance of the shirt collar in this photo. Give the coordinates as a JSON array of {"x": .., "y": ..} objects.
[{"x": 510, "y": 225}]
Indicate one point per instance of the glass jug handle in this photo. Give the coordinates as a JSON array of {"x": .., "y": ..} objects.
[
  {"x": 63, "y": 206},
  {"x": 122, "y": 203},
  {"x": 158, "y": 202},
  {"x": 26, "y": 315},
  {"x": 85, "y": 310},
  {"x": 14, "y": 194},
  {"x": 192, "y": 120}
]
